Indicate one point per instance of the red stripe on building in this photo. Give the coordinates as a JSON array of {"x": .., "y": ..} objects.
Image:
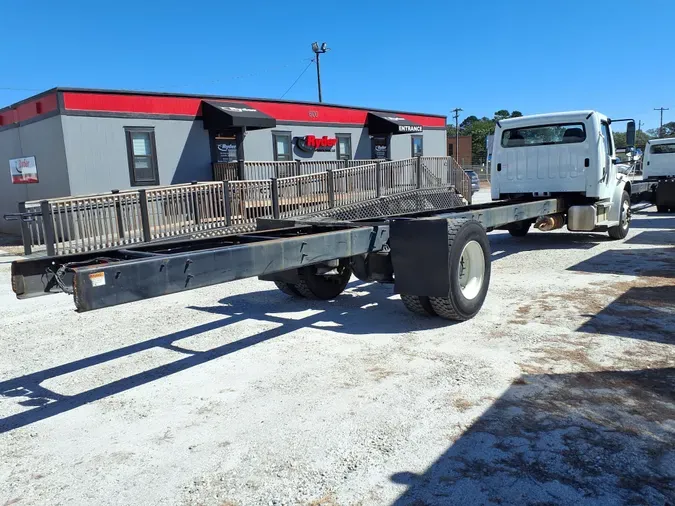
[
  {"x": 191, "y": 106},
  {"x": 29, "y": 110},
  {"x": 108, "y": 102}
]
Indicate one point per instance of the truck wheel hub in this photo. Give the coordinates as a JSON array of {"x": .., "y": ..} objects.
[{"x": 471, "y": 270}]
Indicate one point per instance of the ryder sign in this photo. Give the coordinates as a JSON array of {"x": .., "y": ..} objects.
[
  {"x": 23, "y": 170},
  {"x": 311, "y": 143}
]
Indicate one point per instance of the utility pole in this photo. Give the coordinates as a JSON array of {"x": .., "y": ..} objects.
[
  {"x": 661, "y": 126},
  {"x": 317, "y": 51},
  {"x": 457, "y": 110}
]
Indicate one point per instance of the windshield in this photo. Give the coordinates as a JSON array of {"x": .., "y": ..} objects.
[
  {"x": 562, "y": 133},
  {"x": 661, "y": 149}
]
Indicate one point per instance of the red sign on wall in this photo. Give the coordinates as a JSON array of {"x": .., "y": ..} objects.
[{"x": 311, "y": 143}]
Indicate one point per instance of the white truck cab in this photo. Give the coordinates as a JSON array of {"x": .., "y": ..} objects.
[
  {"x": 570, "y": 155},
  {"x": 659, "y": 159}
]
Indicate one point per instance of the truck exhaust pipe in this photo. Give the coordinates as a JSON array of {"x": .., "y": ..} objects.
[{"x": 548, "y": 223}]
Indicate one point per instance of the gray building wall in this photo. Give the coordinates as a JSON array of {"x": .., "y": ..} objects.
[
  {"x": 434, "y": 144},
  {"x": 44, "y": 140},
  {"x": 97, "y": 152}
]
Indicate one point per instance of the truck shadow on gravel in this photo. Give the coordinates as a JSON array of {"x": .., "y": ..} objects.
[
  {"x": 597, "y": 438},
  {"x": 654, "y": 220},
  {"x": 643, "y": 312},
  {"x": 503, "y": 245},
  {"x": 363, "y": 309}
]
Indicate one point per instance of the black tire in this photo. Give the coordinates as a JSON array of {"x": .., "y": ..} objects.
[
  {"x": 418, "y": 305},
  {"x": 662, "y": 209},
  {"x": 321, "y": 286},
  {"x": 456, "y": 306},
  {"x": 288, "y": 288},
  {"x": 519, "y": 228},
  {"x": 621, "y": 230}
]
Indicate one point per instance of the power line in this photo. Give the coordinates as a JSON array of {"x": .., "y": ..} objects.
[
  {"x": 295, "y": 82},
  {"x": 20, "y": 89}
]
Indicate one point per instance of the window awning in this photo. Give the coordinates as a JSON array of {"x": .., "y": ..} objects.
[
  {"x": 385, "y": 123},
  {"x": 221, "y": 115}
]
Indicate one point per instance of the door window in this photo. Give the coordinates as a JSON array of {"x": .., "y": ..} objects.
[
  {"x": 417, "y": 145},
  {"x": 282, "y": 146},
  {"x": 604, "y": 128},
  {"x": 380, "y": 148},
  {"x": 344, "y": 146}
]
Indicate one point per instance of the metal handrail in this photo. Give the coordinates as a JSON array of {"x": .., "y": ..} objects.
[{"x": 94, "y": 222}]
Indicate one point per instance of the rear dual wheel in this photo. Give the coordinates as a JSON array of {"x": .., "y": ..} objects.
[
  {"x": 315, "y": 285},
  {"x": 469, "y": 271}
]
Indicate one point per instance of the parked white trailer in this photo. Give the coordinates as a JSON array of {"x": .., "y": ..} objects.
[{"x": 569, "y": 155}]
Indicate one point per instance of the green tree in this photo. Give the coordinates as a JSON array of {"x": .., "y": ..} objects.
[
  {"x": 668, "y": 130},
  {"x": 641, "y": 138},
  {"x": 479, "y": 129}
]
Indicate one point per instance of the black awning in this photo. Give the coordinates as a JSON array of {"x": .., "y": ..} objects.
[
  {"x": 222, "y": 115},
  {"x": 384, "y": 123}
]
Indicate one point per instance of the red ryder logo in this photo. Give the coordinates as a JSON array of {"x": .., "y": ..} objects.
[{"x": 311, "y": 143}]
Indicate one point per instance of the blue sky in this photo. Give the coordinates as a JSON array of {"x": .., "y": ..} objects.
[{"x": 423, "y": 55}]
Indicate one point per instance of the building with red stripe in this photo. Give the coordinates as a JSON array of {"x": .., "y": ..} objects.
[{"x": 81, "y": 141}]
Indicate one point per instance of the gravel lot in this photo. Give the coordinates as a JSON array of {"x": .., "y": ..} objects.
[{"x": 561, "y": 391}]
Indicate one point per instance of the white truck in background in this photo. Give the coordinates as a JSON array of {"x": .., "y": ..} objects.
[
  {"x": 569, "y": 155},
  {"x": 658, "y": 172}
]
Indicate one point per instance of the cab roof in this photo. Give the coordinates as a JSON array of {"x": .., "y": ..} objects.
[
  {"x": 666, "y": 140},
  {"x": 554, "y": 117}
]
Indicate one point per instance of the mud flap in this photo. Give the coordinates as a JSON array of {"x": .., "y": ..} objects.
[
  {"x": 420, "y": 256},
  {"x": 665, "y": 194}
]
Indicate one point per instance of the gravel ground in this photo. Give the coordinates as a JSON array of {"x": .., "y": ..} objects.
[{"x": 559, "y": 392}]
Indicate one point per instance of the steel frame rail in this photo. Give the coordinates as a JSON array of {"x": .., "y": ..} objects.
[{"x": 116, "y": 276}]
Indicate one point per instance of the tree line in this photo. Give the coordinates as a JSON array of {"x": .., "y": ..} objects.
[{"x": 480, "y": 128}]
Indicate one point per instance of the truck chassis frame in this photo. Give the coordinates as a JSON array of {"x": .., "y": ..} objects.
[{"x": 419, "y": 246}]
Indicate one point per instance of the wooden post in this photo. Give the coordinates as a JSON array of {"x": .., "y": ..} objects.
[
  {"x": 227, "y": 202},
  {"x": 418, "y": 168},
  {"x": 378, "y": 179},
  {"x": 275, "y": 198},
  {"x": 118, "y": 214},
  {"x": 331, "y": 189},
  {"x": 25, "y": 230},
  {"x": 50, "y": 235},
  {"x": 145, "y": 215}
]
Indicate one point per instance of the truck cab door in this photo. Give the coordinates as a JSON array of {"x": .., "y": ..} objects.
[{"x": 607, "y": 159}]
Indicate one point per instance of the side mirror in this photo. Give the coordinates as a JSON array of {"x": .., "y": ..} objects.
[{"x": 630, "y": 134}]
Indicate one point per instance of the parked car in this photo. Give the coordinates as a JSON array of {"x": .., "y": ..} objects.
[{"x": 475, "y": 182}]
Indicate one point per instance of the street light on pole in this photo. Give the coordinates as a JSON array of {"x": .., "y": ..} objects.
[{"x": 317, "y": 51}]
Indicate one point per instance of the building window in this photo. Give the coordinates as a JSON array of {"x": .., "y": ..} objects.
[
  {"x": 344, "y": 146},
  {"x": 282, "y": 146},
  {"x": 417, "y": 145},
  {"x": 142, "y": 155}
]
